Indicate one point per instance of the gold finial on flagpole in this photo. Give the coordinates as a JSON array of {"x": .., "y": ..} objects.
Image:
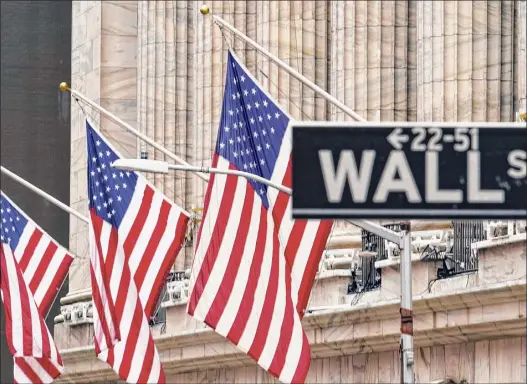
[
  {"x": 63, "y": 86},
  {"x": 204, "y": 10}
]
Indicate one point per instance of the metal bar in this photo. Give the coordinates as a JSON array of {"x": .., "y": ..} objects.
[
  {"x": 130, "y": 129},
  {"x": 43, "y": 194},
  {"x": 407, "y": 359},
  {"x": 344, "y": 108},
  {"x": 379, "y": 230},
  {"x": 246, "y": 175}
]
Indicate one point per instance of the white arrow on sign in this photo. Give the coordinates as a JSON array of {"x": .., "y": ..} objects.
[{"x": 396, "y": 138}]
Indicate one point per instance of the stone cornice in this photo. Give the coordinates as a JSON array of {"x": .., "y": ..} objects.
[{"x": 439, "y": 318}]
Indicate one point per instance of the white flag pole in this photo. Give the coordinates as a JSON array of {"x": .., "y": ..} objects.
[
  {"x": 43, "y": 194},
  {"x": 65, "y": 87}
]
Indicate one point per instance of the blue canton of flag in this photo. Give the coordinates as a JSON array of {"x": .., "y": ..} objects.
[
  {"x": 106, "y": 185},
  {"x": 13, "y": 223},
  {"x": 251, "y": 129}
]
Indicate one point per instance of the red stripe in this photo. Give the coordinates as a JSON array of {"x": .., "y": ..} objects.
[
  {"x": 42, "y": 267},
  {"x": 206, "y": 201},
  {"x": 111, "y": 255},
  {"x": 303, "y": 363},
  {"x": 6, "y": 298},
  {"x": 28, "y": 371},
  {"x": 48, "y": 366},
  {"x": 168, "y": 261},
  {"x": 46, "y": 342},
  {"x": 269, "y": 303},
  {"x": 139, "y": 222},
  {"x": 153, "y": 244},
  {"x": 246, "y": 304},
  {"x": 131, "y": 341},
  {"x": 214, "y": 246},
  {"x": 148, "y": 362},
  {"x": 313, "y": 262},
  {"x": 29, "y": 251},
  {"x": 54, "y": 287},
  {"x": 286, "y": 330},
  {"x": 225, "y": 289},
  {"x": 97, "y": 300},
  {"x": 27, "y": 335}
]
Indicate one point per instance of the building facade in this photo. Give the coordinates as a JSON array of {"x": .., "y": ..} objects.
[{"x": 160, "y": 66}]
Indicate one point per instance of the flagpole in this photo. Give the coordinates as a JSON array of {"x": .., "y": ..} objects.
[
  {"x": 43, "y": 194},
  {"x": 65, "y": 87},
  {"x": 336, "y": 102}
]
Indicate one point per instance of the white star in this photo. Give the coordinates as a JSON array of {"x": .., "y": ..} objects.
[
  {"x": 103, "y": 166},
  {"x": 125, "y": 186},
  {"x": 268, "y": 117},
  {"x": 227, "y": 129},
  {"x": 94, "y": 197},
  {"x": 234, "y": 80},
  {"x": 265, "y": 103},
  {"x": 267, "y": 145},
  {"x": 234, "y": 65},
  {"x": 237, "y": 110},
  {"x": 247, "y": 151},
  {"x": 245, "y": 92},
  {"x": 242, "y": 78},
  {"x": 114, "y": 175},
  {"x": 259, "y": 148},
  {"x": 128, "y": 174},
  {"x": 260, "y": 119},
  {"x": 276, "y": 115},
  {"x": 98, "y": 207},
  {"x": 109, "y": 215},
  {"x": 110, "y": 201},
  {"x": 105, "y": 177},
  {"x": 234, "y": 97},
  {"x": 121, "y": 174},
  {"x": 239, "y": 139},
  {"x": 100, "y": 155},
  {"x": 240, "y": 124},
  {"x": 252, "y": 120},
  {"x": 231, "y": 141},
  {"x": 261, "y": 191},
  {"x": 272, "y": 130},
  {"x": 108, "y": 189},
  {"x": 17, "y": 218},
  {"x": 105, "y": 204},
  {"x": 116, "y": 187},
  {"x": 235, "y": 125},
  {"x": 253, "y": 91},
  {"x": 238, "y": 94},
  {"x": 231, "y": 112},
  {"x": 8, "y": 210},
  {"x": 98, "y": 143},
  {"x": 222, "y": 145},
  {"x": 257, "y": 105},
  {"x": 92, "y": 173},
  {"x": 119, "y": 198},
  {"x": 255, "y": 134},
  {"x": 245, "y": 166},
  {"x": 99, "y": 169},
  {"x": 235, "y": 154},
  {"x": 262, "y": 162},
  {"x": 243, "y": 137},
  {"x": 107, "y": 153},
  {"x": 249, "y": 107},
  {"x": 264, "y": 132},
  {"x": 113, "y": 211},
  {"x": 100, "y": 194},
  {"x": 94, "y": 159}
]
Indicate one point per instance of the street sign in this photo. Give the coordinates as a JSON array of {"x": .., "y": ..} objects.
[{"x": 409, "y": 170}]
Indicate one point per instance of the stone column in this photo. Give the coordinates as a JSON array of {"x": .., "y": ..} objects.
[{"x": 104, "y": 69}]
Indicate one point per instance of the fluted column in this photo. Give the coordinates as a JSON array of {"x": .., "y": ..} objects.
[{"x": 466, "y": 60}]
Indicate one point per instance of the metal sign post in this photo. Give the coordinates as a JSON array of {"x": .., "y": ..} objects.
[{"x": 409, "y": 170}]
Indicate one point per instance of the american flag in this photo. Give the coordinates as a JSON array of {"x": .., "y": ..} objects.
[
  {"x": 135, "y": 236},
  {"x": 254, "y": 266},
  {"x": 33, "y": 268}
]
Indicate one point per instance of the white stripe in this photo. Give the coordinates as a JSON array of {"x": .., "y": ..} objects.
[
  {"x": 19, "y": 375},
  {"x": 146, "y": 233},
  {"x": 240, "y": 283},
  {"x": 294, "y": 351},
  {"x": 139, "y": 351},
  {"x": 159, "y": 255},
  {"x": 302, "y": 257},
  {"x": 155, "y": 371},
  {"x": 133, "y": 208},
  {"x": 208, "y": 224},
  {"x": 224, "y": 252},
  {"x": 16, "y": 305},
  {"x": 273, "y": 337},
  {"x": 45, "y": 284},
  {"x": 261, "y": 289},
  {"x": 36, "y": 258},
  {"x": 282, "y": 161},
  {"x": 37, "y": 331},
  {"x": 24, "y": 240},
  {"x": 39, "y": 370}
]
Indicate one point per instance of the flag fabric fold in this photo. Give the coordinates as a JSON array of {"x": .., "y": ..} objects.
[
  {"x": 33, "y": 268},
  {"x": 254, "y": 266},
  {"x": 135, "y": 236}
]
